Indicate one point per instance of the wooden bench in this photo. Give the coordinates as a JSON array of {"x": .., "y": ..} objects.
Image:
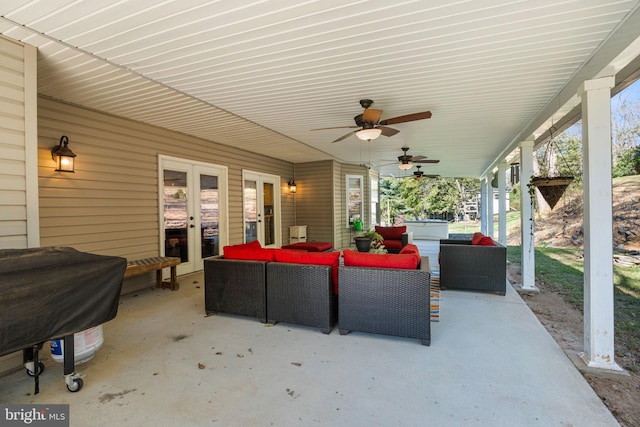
[{"x": 156, "y": 264}]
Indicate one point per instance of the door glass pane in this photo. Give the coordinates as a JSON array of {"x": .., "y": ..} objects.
[
  {"x": 176, "y": 215},
  {"x": 209, "y": 215},
  {"x": 250, "y": 211},
  {"x": 269, "y": 224}
]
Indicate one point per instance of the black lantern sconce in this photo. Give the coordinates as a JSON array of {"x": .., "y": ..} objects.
[
  {"x": 292, "y": 185},
  {"x": 63, "y": 156}
]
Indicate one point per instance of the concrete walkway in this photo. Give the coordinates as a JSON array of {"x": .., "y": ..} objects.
[{"x": 164, "y": 363}]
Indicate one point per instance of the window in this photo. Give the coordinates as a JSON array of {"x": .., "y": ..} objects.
[{"x": 354, "y": 199}]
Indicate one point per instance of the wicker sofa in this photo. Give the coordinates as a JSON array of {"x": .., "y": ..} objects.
[
  {"x": 386, "y": 301},
  {"x": 235, "y": 287},
  {"x": 301, "y": 294},
  {"x": 464, "y": 266},
  {"x": 299, "y": 291}
]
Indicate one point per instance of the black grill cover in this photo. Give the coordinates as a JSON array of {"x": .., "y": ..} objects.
[{"x": 47, "y": 293}]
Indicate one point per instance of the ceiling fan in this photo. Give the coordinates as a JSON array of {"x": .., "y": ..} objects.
[
  {"x": 371, "y": 127},
  {"x": 407, "y": 160},
  {"x": 419, "y": 175}
]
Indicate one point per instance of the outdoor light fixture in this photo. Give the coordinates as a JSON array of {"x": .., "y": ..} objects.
[
  {"x": 292, "y": 186},
  {"x": 63, "y": 155},
  {"x": 405, "y": 166},
  {"x": 369, "y": 134}
]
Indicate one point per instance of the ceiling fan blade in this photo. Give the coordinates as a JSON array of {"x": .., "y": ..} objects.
[
  {"x": 407, "y": 118},
  {"x": 386, "y": 131},
  {"x": 371, "y": 115},
  {"x": 425, "y": 161},
  {"x": 345, "y": 136},
  {"x": 339, "y": 127}
]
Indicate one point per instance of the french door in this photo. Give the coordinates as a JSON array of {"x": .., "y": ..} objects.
[
  {"x": 261, "y": 199},
  {"x": 193, "y": 204}
]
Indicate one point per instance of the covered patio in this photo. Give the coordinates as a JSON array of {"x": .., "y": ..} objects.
[
  {"x": 164, "y": 363},
  {"x": 269, "y": 90}
]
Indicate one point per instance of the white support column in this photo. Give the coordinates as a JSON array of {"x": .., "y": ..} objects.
[
  {"x": 483, "y": 205},
  {"x": 489, "y": 231},
  {"x": 502, "y": 203},
  {"x": 528, "y": 264},
  {"x": 598, "y": 224}
]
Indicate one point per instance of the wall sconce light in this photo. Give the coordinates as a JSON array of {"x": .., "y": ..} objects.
[
  {"x": 63, "y": 156},
  {"x": 292, "y": 186}
]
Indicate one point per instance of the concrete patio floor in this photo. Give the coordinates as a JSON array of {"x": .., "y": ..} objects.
[{"x": 165, "y": 363}]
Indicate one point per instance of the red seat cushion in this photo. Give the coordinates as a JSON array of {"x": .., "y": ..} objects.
[
  {"x": 365, "y": 259},
  {"x": 331, "y": 259},
  {"x": 391, "y": 233},
  {"x": 311, "y": 246},
  {"x": 251, "y": 251},
  {"x": 392, "y": 244}
]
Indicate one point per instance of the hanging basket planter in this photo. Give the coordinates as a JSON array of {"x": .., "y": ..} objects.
[{"x": 551, "y": 188}]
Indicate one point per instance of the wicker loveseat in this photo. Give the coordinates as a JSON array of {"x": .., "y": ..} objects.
[
  {"x": 278, "y": 286},
  {"x": 386, "y": 301},
  {"x": 301, "y": 294},
  {"x": 235, "y": 287},
  {"x": 473, "y": 267}
]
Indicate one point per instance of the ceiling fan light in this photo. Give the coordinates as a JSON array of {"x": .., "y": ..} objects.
[
  {"x": 405, "y": 166},
  {"x": 369, "y": 134}
]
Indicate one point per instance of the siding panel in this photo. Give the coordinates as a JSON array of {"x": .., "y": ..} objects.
[{"x": 110, "y": 205}]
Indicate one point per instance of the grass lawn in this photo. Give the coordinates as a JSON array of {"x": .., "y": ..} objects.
[
  {"x": 562, "y": 270},
  {"x": 513, "y": 219}
]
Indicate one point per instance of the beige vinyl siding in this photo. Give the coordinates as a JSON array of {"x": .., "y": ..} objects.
[
  {"x": 13, "y": 191},
  {"x": 110, "y": 205},
  {"x": 314, "y": 200},
  {"x": 16, "y": 105}
]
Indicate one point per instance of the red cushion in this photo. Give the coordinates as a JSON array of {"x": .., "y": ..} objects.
[
  {"x": 365, "y": 259},
  {"x": 486, "y": 241},
  {"x": 391, "y": 233},
  {"x": 392, "y": 244},
  {"x": 410, "y": 248},
  {"x": 476, "y": 237},
  {"x": 316, "y": 258},
  {"x": 310, "y": 246},
  {"x": 251, "y": 251}
]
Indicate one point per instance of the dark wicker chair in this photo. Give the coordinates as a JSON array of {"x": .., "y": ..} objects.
[
  {"x": 235, "y": 287},
  {"x": 386, "y": 301},
  {"x": 464, "y": 266},
  {"x": 301, "y": 294}
]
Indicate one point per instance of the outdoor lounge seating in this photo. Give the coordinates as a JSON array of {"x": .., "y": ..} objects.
[
  {"x": 235, "y": 287},
  {"x": 473, "y": 267},
  {"x": 301, "y": 294},
  {"x": 394, "y": 238},
  {"x": 386, "y": 301}
]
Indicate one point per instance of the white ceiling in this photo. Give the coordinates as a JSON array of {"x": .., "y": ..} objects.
[{"x": 259, "y": 75}]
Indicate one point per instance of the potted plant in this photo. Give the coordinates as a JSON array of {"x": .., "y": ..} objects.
[{"x": 367, "y": 240}]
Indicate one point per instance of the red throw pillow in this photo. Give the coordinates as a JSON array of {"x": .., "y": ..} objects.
[
  {"x": 476, "y": 237},
  {"x": 331, "y": 259},
  {"x": 365, "y": 259},
  {"x": 411, "y": 249},
  {"x": 391, "y": 233},
  {"x": 486, "y": 241}
]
